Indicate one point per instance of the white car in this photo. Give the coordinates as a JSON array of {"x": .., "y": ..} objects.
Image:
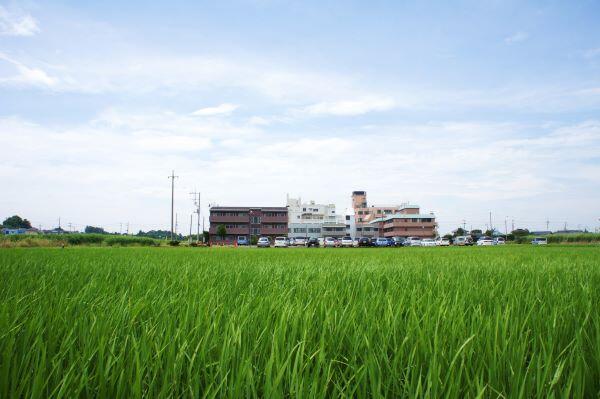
[
  {"x": 263, "y": 242},
  {"x": 485, "y": 241},
  {"x": 499, "y": 241},
  {"x": 412, "y": 242},
  {"x": 355, "y": 243},
  {"x": 428, "y": 242},
  {"x": 300, "y": 241},
  {"x": 442, "y": 242},
  {"x": 539, "y": 241},
  {"x": 281, "y": 242},
  {"x": 463, "y": 241},
  {"x": 329, "y": 242},
  {"x": 347, "y": 242}
]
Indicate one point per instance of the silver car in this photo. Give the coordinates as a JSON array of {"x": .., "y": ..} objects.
[
  {"x": 263, "y": 242},
  {"x": 412, "y": 242}
]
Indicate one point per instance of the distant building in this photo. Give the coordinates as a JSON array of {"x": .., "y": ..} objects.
[
  {"x": 247, "y": 222},
  {"x": 10, "y": 232},
  {"x": 402, "y": 220},
  {"x": 407, "y": 225},
  {"x": 309, "y": 219}
]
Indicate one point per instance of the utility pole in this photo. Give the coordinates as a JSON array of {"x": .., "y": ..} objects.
[
  {"x": 547, "y": 225},
  {"x": 59, "y": 223},
  {"x": 202, "y": 228},
  {"x": 505, "y": 230},
  {"x": 491, "y": 227},
  {"x": 70, "y": 229},
  {"x": 465, "y": 225},
  {"x": 197, "y": 211},
  {"x": 191, "y": 218},
  {"x": 172, "y": 177},
  {"x": 513, "y": 225},
  {"x": 127, "y": 228}
]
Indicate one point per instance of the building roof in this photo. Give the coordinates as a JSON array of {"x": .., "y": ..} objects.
[
  {"x": 404, "y": 216},
  {"x": 247, "y": 208}
]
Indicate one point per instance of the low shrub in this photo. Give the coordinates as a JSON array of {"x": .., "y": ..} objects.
[{"x": 112, "y": 241}]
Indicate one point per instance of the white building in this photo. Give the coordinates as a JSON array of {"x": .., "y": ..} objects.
[
  {"x": 310, "y": 219},
  {"x": 350, "y": 223}
]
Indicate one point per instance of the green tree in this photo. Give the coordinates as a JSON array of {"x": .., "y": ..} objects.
[
  {"x": 15, "y": 222},
  {"x": 459, "y": 232},
  {"x": 222, "y": 231},
  {"x": 94, "y": 230},
  {"x": 520, "y": 232}
]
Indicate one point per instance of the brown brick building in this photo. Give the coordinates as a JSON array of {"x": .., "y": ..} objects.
[
  {"x": 403, "y": 220},
  {"x": 248, "y": 222}
]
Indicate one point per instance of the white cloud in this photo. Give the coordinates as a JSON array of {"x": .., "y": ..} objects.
[
  {"x": 27, "y": 76},
  {"x": 223, "y": 109},
  {"x": 592, "y": 53},
  {"x": 454, "y": 168},
  {"x": 350, "y": 107},
  {"x": 17, "y": 23},
  {"x": 516, "y": 37},
  {"x": 259, "y": 121}
]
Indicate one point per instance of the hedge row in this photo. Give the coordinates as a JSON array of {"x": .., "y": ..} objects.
[{"x": 77, "y": 239}]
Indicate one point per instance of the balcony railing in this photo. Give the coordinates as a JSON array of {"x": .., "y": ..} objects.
[{"x": 228, "y": 219}]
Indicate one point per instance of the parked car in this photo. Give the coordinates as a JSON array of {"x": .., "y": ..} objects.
[
  {"x": 412, "y": 242},
  {"x": 281, "y": 242},
  {"x": 364, "y": 242},
  {"x": 291, "y": 241},
  {"x": 355, "y": 243},
  {"x": 382, "y": 242},
  {"x": 263, "y": 242},
  {"x": 242, "y": 240},
  {"x": 442, "y": 242},
  {"x": 330, "y": 242},
  {"x": 398, "y": 241},
  {"x": 313, "y": 242},
  {"x": 373, "y": 241},
  {"x": 539, "y": 241},
  {"x": 463, "y": 241},
  {"x": 300, "y": 241},
  {"x": 485, "y": 240},
  {"x": 391, "y": 242},
  {"x": 428, "y": 242},
  {"x": 347, "y": 242},
  {"x": 499, "y": 241},
  {"x": 321, "y": 241}
]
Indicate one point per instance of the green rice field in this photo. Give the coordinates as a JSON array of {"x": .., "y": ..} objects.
[{"x": 490, "y": 322}]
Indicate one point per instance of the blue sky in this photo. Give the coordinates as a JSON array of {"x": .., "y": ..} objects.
[{"x": 461, "y": 107}]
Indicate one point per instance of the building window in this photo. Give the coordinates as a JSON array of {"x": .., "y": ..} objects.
[
  {"x": 347, "y": 217},
  {"x": 255, "y": 220}
]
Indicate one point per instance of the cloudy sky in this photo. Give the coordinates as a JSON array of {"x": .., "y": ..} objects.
[{"x": 462, "y": 108}]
